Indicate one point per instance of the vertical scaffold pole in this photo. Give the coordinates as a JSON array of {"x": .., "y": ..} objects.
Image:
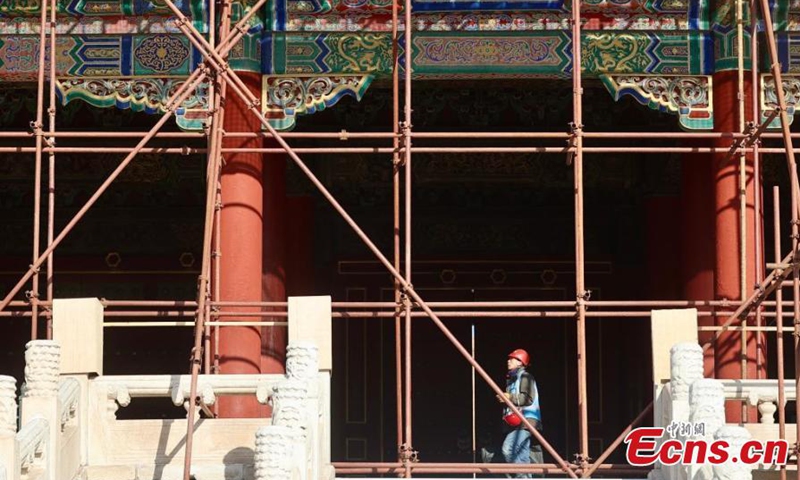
[
  {"x": 396, "y": 164},
  {"x": 580, "y": 281}
]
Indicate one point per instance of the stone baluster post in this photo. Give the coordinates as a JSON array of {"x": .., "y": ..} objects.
[
  {"x": 766, "y": 410},
  {"x": 686, "y": 367},
  {"x": 8, "y": 428},
  {"x": 302, "y": 363},
  {"x": 290, "y": 409},
  {"x": 40, "y": 395},
  {"x": 707, "y": 407},
  {"x": 275, "y": 450},
  {"x": 736, "y": 436}
]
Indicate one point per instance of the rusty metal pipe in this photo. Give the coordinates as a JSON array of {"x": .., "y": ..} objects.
[
  {"x": 407, "y": 132},
  {"x": 398, "y": 348},
  {"x": 215, "y": 165},
  {"x": 604, "y": 466},
  {"x": 214, "y": 100},
  {"x": 442, "y": 468},
  {"x": 759, "y": 214},
  {"x": 213, "y": 175},
  {"x": 390, "y": 314},
  {"x": 191, "y": 304},
  {"x": 742, "y": 192},
  {"x": 51, "y": 164},
  {"x": 36, "y": 126},
  {"x": 186, "y": 150},
  {"x": 776, "y": 214},
  {"x": 580, "y": 274},
  {"x": 481, "y": 304},
  {"x": 792, "y": 165},
  {"x": 347, "y": 135}
]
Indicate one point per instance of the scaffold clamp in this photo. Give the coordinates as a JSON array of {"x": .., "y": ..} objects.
[
  {"x": 408, "y": 454},
  {"x": 405, "y": 300},
  {"x": 581, "y": 459}
]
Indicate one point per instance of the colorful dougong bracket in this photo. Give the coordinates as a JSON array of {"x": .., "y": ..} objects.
[
  {"x": 283, "y": 98},
  {"x": 149, "y": 95},
  {"x": 689, "y": 97},
  {"x": 769, "y": 99}
]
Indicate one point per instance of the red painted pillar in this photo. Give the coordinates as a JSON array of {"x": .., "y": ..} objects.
[
  {"x": 728, "y": 351},
  {"x": 241, "y": 248},
  {"x": 273, "y": 353},
  {"x": 697, "y": 237}
]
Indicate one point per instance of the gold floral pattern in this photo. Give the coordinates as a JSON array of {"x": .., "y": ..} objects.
[{"x": 161, "y": 53}]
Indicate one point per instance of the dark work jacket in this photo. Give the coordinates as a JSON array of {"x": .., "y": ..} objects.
[{"x": 526, "y": 397}]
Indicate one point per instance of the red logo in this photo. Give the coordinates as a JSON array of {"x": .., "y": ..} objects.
[{"x": 645, "y": 446}]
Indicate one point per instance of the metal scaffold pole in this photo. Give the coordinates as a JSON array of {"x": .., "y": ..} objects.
[
  {"x": 580, "y": 271},
  {"x": 759, "y": 193},
  {"x": 776, "y": 214},
  {"x": 37, "y": 128},
  {"x": 51, "y": 163},
  {"x": 398, "y": 292},
  {"x": 742, "y": 172},
  {"x": 408, "y": 454}
]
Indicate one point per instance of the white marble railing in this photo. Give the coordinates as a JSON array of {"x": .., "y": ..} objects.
[
  {"x": 69, "y": 395},
  {"x": 70, "y": 430},
  {"x": 122, "y": 388},
  {"x": 760, "y": 393},
  {"x": 32, "y": 444}
]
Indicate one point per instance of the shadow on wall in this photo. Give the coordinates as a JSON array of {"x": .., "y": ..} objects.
[{"x": 239, "y": 463}]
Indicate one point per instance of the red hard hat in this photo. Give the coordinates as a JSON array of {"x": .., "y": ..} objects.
[{"x": 520, "y": 355}]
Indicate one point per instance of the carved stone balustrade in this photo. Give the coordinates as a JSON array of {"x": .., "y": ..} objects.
[
  {"x": 760, "y": 393},
  {"x": 32, "y": 445},
  {"x": 69, "y": 392},
  {"x": 120, "y": 389}
]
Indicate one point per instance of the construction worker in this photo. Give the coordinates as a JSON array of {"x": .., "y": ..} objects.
[{"x": 519, "y": 445}]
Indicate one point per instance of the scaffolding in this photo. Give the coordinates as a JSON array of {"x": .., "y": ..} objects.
[{"x": 207, "y": 314}]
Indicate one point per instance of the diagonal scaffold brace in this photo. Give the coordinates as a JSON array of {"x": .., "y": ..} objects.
[{"x": 216, "y": 62}]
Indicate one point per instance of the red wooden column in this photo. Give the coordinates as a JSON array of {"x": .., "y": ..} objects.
[
  {"x": 273, "y": 345},
  {"x": 697, "y": 237},
  {"x": 241, "y": 248},
  {"x": 728, "y": 351}
]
